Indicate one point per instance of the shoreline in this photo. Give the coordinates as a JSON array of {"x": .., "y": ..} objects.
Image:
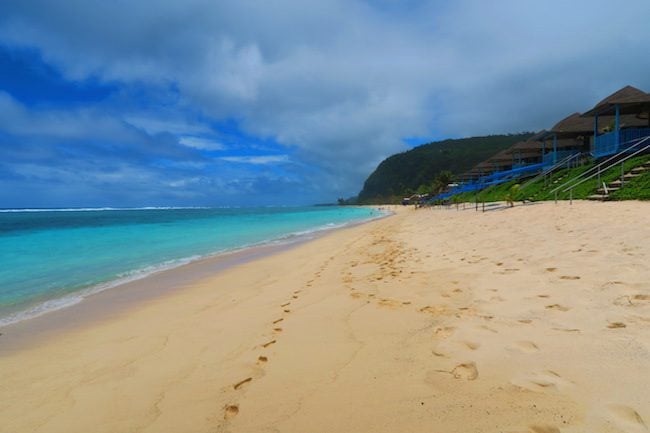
[
  {"x": 118, "y": 296},
  {"x": 535, "y": 319}
]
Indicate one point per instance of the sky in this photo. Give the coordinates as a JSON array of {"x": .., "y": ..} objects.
[{"x": 283, "y": 102}]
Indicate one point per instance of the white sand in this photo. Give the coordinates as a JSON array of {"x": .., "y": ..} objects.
[{"x": 532, "y": 319}]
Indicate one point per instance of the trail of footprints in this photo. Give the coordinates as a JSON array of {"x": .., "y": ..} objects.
[
  {"x": 391, "y": 263},
  {"x": 233, "y": 409}
]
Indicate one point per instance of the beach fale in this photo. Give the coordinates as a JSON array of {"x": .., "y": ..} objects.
[{"x": 617, "y": 125}]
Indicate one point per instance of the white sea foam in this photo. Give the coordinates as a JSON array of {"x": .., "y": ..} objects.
[{"x": 78, "y": 296}]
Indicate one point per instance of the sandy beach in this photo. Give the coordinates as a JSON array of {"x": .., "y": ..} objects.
[{"x": 532, "y": 319}]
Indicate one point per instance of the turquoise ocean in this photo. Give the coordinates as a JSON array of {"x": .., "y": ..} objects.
[{"x": 50, "y": 259}]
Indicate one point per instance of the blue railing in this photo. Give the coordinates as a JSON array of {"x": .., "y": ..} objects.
[
  {"x": 496, "y": 178},
  {"x": 606, "y": 144},
  {"x": 512, "y": 173},
  {"x": 630, "y": 134}
]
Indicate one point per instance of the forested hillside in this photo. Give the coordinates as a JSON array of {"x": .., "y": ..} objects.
[{"x": 404, "y": 173}]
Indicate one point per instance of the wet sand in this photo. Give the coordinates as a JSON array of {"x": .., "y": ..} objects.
[{"x": 531, "y": 319}]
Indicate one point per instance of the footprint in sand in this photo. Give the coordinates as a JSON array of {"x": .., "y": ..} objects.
[
  {"x": 542, "y": 381},
  {"x": 616, "y": 325},
  {"x": 389, "y": 303},
  {"x": 277, "y": 321},
  {"x": 287, "y": 310},
  {"x": 230, "y": 411},
  {"x": 277, "y": 329},
  {"x": 487, "y": 328},
  {"x": 632, "y": 300},
  {"x": 467, "y": 371},
  {"x": 557, "y": 307},
  {"x": 611, "y": 283},
  {"x": 295, "y": 296},
  {"x": 544, "y": 429},
  {"x": 435, "y": 309},
  {"x": 566, "y": 329},
  {"x": 525, "y": 321},
  {"x": 445, "y": 331},
  {"x": 242, "y": 383},
  {"x": 569, "y": 277},
  {"x": 627, "y": 417},
  {"x": 285, "y": 304},
  {"x": 471, "y": 345},
  {"x": 551, "y": 269},
  {"x": 262, "y": 359},
  {"x": 265, "y": 345},
  {"x": 527, "y": 346}
]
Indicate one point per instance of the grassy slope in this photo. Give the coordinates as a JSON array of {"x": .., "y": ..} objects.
[
  {"x": 638, "y": 188},
  {"x": 635, "y": 189}
]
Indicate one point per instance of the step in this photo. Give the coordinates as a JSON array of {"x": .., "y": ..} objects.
[
  {"x": 639, "y": 170},
  {"x": 601, "y": 197},
  {"x": 602, "y": 190},
  {"x": 630, "y": 176}
]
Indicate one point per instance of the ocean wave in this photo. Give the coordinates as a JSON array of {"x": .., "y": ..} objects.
[
  {"x": 127, "y": 277},
  {"x": 98, "y": 209},
  {"x": 78, "y": 296}
]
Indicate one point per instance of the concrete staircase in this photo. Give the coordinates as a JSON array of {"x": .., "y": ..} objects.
[{"x": 602, "y": 193}]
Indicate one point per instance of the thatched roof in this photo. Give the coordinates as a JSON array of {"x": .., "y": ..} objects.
[
  {"x": 503, "y": 156},
  {"x": 526, "y": 145},
  {"x": 630, "y": 99},
  {"x": 573, "y": 125},
  {"x": 482, "y": 168},
  {"x": 625, "y": 95},
  {"x": 538, "y": 136},
  {"x": 525, "y": 153}
]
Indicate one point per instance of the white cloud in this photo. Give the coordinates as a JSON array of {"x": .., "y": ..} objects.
[
  {"x": 200, "y": 143},
  {"x": 159, "y": 123},
  {"x": 257, "y": 160},
  {"x": 342, "y": 82}
]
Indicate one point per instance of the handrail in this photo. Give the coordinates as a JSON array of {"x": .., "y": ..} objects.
[
  {"x": 597, "y": 167},
  {"x": 620, "y": 161},
  {"x": 550, "y": 169}
]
